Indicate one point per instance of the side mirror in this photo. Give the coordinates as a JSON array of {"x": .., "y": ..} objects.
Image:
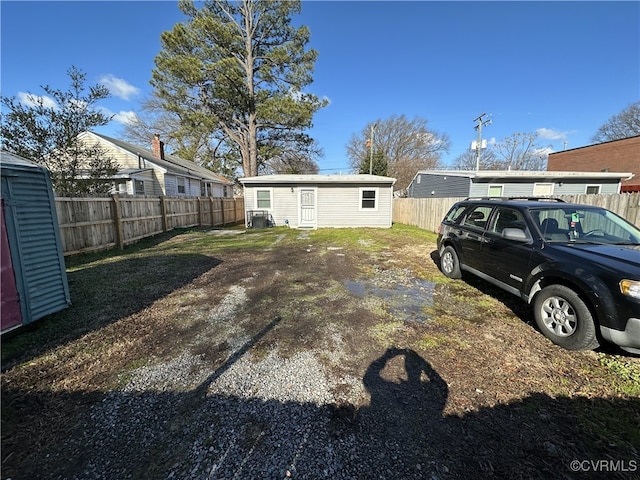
[{"x": 515, "y": 234}]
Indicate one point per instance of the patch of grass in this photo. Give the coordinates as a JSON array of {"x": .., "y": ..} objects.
[
  {"x": 374, "y": 240},
  {"x": 626, "y": 376},
  {"x": 436, "y": 340},
  {"x": 385, "y": 332}
]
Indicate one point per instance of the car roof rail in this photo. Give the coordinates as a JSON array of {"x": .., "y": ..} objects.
[
  {"x": 529, "y": 199},
  {"x": 539, "y": 199}
]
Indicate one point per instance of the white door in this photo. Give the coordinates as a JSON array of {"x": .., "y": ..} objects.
[{"x": 307, "y": 207}]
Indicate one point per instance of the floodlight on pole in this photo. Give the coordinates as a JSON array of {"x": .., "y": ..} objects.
[{"x": 480, "y": 123}]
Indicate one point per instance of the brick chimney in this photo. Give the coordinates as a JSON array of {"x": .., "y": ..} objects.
[{"x": 157, "y": 147}]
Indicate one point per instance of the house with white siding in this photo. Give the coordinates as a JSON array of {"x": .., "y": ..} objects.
[
  {"x": 317, "y": 201},
  {"x": 145, "y": 171},
  {"x": 512, "y": 183}
]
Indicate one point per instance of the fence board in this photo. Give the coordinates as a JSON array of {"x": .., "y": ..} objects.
[
  {"x": 427, "y": 213},
  {"x": 89, "y": 224}
]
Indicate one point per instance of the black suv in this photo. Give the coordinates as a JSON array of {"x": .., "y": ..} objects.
[{"x": 578, "y": 265}]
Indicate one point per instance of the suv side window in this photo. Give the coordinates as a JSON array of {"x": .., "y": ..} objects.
[
  {"x": 455, "y": 213},
  {"x": 477, "y": 217},
  {"x": 508, "y": 218}
]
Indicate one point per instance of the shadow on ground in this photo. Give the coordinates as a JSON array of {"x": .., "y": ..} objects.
[
  {"x": 401, "y": 433},
  {"x": 137, "y": 282}
]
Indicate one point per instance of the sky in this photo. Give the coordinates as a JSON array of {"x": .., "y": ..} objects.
[{"x": 558, "y": 69}]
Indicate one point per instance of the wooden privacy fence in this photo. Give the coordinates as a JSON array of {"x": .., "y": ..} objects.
[
  {"x": 91, "y": 224},
  {"x": 427, "y": 213}
]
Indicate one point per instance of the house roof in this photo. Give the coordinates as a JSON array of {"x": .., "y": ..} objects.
[
  {"x": 172, "y": 163},
  {"x": 317, "y": 179},
  {"x": 617, "y": 140},
  {"x": 528, "y": 174}
]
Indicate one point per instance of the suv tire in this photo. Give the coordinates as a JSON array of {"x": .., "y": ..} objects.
[
  {"x": 564, "y": 318},
  {"x": 449, "y": 263}
]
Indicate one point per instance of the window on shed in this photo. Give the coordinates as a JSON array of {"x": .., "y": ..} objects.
[
  {"x": 181, "y": 187},
  {"x": 593, "y": 189},
  {"x": 263, "y": 199},
  {"x": 495, "y": 190},
  {"x": 368, "y": 199},
  {"x": 139, "y": 187},
  {"x": 542, "y": 189}
]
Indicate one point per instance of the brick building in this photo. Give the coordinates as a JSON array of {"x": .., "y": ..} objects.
[{"x": 614, "y": 156}]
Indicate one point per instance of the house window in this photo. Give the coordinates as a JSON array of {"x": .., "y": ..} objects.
[
  {"x": 495, "y": 190},
  {"x": 139, "y": 187},
  {"x": 593, "y": 189},
  {"x": 181, "y": 187},
  {"x": 542, "y": 189},
  {"x": 225, "y": 191},
  {"x": 263, "y": 199},
  {"x": 368, "y": 199}
]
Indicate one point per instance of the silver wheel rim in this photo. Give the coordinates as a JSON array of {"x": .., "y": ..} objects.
[
  {"x": 447, "y": 262},
  {"x": 559, "y": 316}
]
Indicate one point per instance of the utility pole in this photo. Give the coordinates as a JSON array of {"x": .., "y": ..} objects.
[
  {"x": 373, "y": 127},
  {"x": 480, "y": 123}
]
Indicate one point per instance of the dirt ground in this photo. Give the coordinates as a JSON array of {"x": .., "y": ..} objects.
[{"x": 451, "y": 375}]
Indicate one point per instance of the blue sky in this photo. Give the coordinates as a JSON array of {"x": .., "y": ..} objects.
[{"x": 561, "y": 69}]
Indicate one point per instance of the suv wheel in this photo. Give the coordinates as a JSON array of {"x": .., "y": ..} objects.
[
  {"x": 564, "y": 318},
  {"x": 449, "y": 263}
]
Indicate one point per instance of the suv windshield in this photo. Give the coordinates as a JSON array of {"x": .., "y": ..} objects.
[{"x": 590, "y": 225}]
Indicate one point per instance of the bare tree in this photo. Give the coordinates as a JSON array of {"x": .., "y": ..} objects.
[
  {"x": 199, "y": 145},
  {"x": 520, "y": 152},
  {"x": 292, "y": 163},
  {"x": 467, "y": 161},
  {"x": 622, "y": 125},
  {"x": 407, "y": 145}
]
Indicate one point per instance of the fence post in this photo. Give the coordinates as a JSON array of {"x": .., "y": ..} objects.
[
  {"x": 200, "y": 213},
  {"x": 117, "y": 221},
  {"x": 163, "y": 212}
]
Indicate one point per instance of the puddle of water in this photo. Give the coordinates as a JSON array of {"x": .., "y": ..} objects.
[{"x": 406, "y": 302}]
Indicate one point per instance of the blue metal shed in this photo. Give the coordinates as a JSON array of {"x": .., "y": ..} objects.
[{"x": 34, "y": 278}]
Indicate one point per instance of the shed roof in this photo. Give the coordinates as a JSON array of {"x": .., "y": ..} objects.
[
  {"x": 12, "y": 159},
  {"x": 317, "y": 179}
]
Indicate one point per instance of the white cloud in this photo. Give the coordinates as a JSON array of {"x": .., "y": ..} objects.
[
  {"x": 543, "y": 152},
  {"x": 550, "y": 134},
  {"x": 31, "y": 100},
  {"x": 122, "y": 117},
  {"x": 126, "y": 118},
  {"x": 119, "y": 87}
]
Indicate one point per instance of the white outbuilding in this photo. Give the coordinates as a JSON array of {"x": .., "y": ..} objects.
[{"x": 318, "y": 201}]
